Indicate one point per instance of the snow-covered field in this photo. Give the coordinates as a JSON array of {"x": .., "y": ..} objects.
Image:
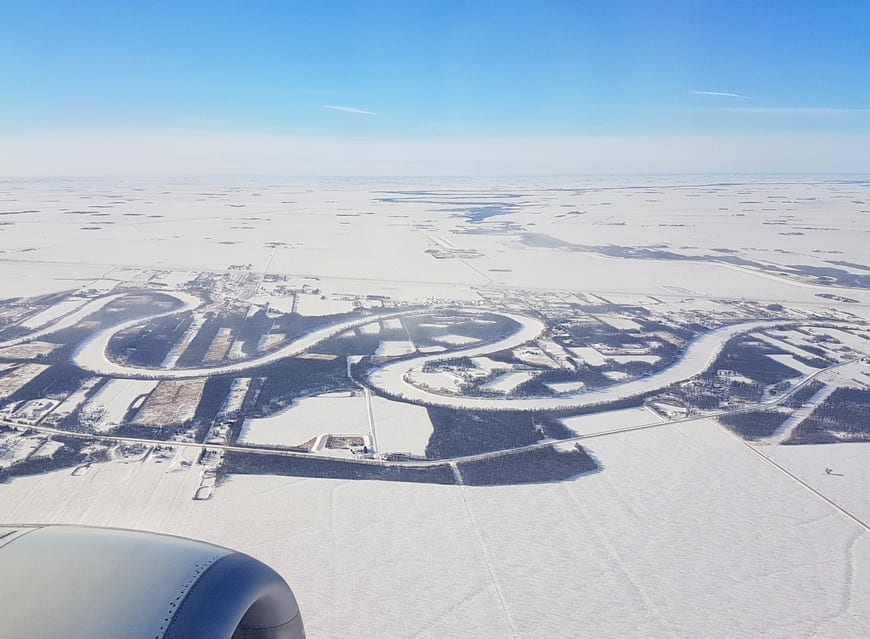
[
  {"x": 621, "y": 323},
  {"x": 602, "y": 422},
  {"x": 624, "y": 359},
  {"x": 683, "y": 533},
  {"x": 105, "y": 410},
  {"x": 392, "y": 348},
  {"x": 313, "y": 305},
  {"x": 787, "y": 359},
  {"x": 65, "y": 321},
  {"x": 850, "y": 471},
  {"x": 454, "y": 340},
  {"x": 186, "y": 232},
  {"x": 15, "y": 448},
  {"x": 400, "y": 427},
  {"x": 181, "y": 345},
  {"x": 171, "y": 403},
  {"x": 236, "y": 397},
  {"x": 507, "y": 382},
  {"x": 53, "y": 313},
  {"x": 589, "y": 355},
  {"x": 28, "y": 350},
  {"x": 13, "y": 379},
  {"x": 71, "y": 402},
  {"x": 566, "y": 387},
  {"x": 307, "y": 419}
]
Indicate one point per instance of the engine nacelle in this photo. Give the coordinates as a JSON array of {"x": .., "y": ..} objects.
[{"x": 81, "y": 583}]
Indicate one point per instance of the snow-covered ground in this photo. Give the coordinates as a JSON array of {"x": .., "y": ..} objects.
[
  {"x": 71, "y": 402},
  {"x": 849, "y": 480},
  {"x": 684, "y": 533},
  {"x": 105, "y": 410},
  {"x": 624, "y": 359},
  {"x": 400, "y": 427},
  {"x": 269, "y": 340},
  {"x": 393, "y": 324},
  {"x": 236, "y": 397},
  {"x": 490, "y": 365},
  {"x": 454, "y": 340},
  {"x": 16, "y": 377},
  {"x": 588, "y": 355},
  {"x": 566, "y": 387},
  {"x": 308, "y": 304},
  {"x": 67, "y": 320},
  {"x": 603, "y": 422},
  {"x": 392, "y": 348},
  {"x": 438, "y": 381},
  {"x": 307, "y": 419},
  {"x": 181, "y": 345},
  {"x": 16, "y": 448},
  {"x": 29, "y": 350},
  {"x": 507, "y": 382},
  {"x": 621, "y": 323},
  {"x": 787, "y": 359},
  {"x": 852, "y": 375},
  {"x": 849, "y": 339},
  {"x": 52, "y": 313},
  {"x": 800, "y": 414}
]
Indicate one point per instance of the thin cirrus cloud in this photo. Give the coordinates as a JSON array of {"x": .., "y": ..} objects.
[
  {"x": 348, "y": 109},
  {"x": 808, "y": 111},
  {"x": 720, "y": 94}
]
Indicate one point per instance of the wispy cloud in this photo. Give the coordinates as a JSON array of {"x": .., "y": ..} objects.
[
  {"x": 720, "y": 94},
  {"x": 348, "y": 109},
  {"x": 810, "y": 111}
]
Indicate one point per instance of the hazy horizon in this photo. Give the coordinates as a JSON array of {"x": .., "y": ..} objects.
[{"x": 434, "y": 88}]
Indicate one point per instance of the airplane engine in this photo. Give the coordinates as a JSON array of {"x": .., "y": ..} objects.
[{"x": 83, "y": 583}]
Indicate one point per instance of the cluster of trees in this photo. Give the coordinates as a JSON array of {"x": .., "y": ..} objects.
[
  {"x": 487, "y": 327},
  {"x": 463, "y": 432},
  {"x": 844, "y": 416},
  {"x": 57, "y": 379},
  {"x": 294, "y": 377},
  {"x": 149, "y": 345},
  {"x": 750, "y": 360},
  {"x": 198, "y": 347},
  {"x": 529, "y": 466},
  {"x": 262, "y": 464},
  {"x": 69, "y": 456},
  {"x": 803, "y": 394},
  {"x": 754, "y": 425},
  {"x": 464, "y": 363}
]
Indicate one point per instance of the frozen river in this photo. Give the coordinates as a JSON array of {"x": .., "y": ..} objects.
[{"x": 392, "y": 378}]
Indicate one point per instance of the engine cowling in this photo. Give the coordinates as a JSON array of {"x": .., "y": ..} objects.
[{"x": 82, "y": 583}]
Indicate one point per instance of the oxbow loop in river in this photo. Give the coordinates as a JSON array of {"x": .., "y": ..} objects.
[{"x": 392, "y": 379}]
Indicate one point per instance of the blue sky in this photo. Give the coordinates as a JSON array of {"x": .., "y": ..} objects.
[{"x": 420, "y": 70}]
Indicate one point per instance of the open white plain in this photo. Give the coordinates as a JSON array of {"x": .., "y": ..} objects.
[{"x": 683, "y": 532}]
